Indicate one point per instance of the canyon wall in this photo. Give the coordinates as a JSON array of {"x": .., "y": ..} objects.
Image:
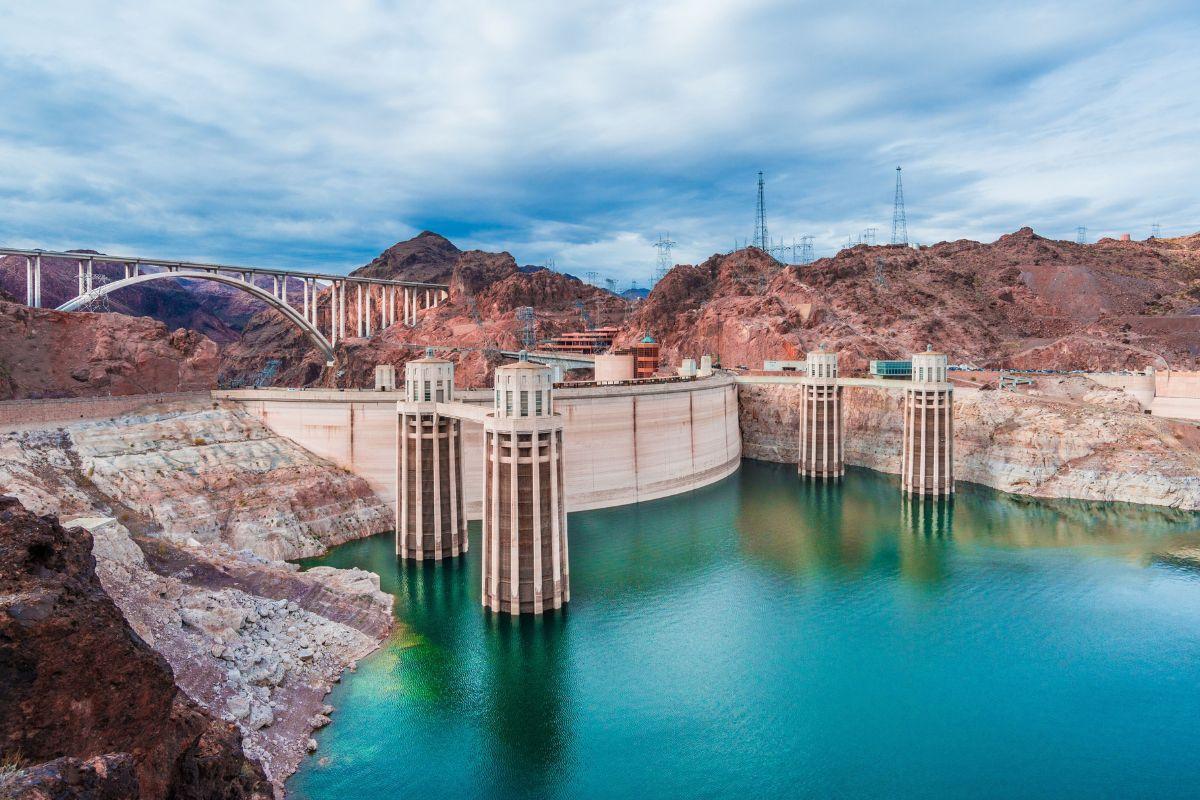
[
  {"x": 1036, "y": 446},
  {"x": 193, "y": 469},
  {"x": 82, "y": 691},
  {"x": 622, "y": 444}
]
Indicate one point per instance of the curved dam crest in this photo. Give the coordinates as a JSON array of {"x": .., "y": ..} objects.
[{"x": 624, "y": 444}]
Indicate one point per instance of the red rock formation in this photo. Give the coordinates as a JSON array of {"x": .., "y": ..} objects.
[
  {"x": 486, "y": 290},
  {"x": 45, "y": 353},
  {"x": 77, "y": 683},
  {"x": 1023, "y": 301}
]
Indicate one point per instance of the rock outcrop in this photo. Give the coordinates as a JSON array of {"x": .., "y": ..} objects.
[
  {"x": 481, "y": 317},
  {"x": 45, "y": 353},
  {"x": 208, "y": 471},
  {"x": 1023, "y": 301},
  {"x": 257, "y": 643},
  {"x": 80, "y": 690},
  {"x": 1035, "y": 446}
]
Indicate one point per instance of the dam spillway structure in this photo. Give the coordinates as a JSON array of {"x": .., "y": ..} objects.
[
  {"x": 821, "y": 419},
  {"x": 430, "y": 520},
  {"x": 525, "y": 563},
  {"x": 927, "y": 454}
]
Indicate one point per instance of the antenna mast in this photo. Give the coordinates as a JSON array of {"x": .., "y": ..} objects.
[{"x": 899, "y": 221}]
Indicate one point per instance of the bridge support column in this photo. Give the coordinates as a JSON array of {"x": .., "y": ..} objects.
[
  {"x": 525, "y": 563},
  {"x": 28, "y": 281},
  {"x": 81, "y": 280},
  {"x": 37, "y": 281},
  {"x": 305, "y": 288},
  {"x": 927, "y": 457},
  {"x": 358, "y": 308},
  {"x": 821, "y": 419},
  {"x": 431, "y": 521},
  {"x": 342, "y": 310}
]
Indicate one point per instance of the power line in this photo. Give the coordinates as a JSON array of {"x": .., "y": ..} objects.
[{"x": 899, "y": 220}]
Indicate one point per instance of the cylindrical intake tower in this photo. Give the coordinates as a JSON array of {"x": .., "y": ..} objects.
[
  {"x": 524, "y": 508},
  {"x": 431, "y": 523},
  {"x": 821, "y": 418},
  {"x": 927, "y": 460}
]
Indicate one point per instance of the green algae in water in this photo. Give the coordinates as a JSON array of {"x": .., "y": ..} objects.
[{"x": 769, "y": 637}]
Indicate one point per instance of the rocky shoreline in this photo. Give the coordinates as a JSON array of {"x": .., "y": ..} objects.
[{"x": 192, "y": 508}]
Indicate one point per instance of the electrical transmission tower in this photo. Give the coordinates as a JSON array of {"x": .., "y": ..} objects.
[
  {"x": 663, "y": 246},
  {"x": 899, "y": 220},
  {"x": 592, "y": 277},
  {"x": 528, "y": 330},
  {"x": 611, "y": 284},
  {"x": 1156, "y": 231},
  {"x": 760, "y": 219},
  {"x": 868, "y": 236},
  {"x": 1081, "y": 235},
  {"x": 806, "y": 249}
]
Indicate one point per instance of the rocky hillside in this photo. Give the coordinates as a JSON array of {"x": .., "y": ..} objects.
[
  {"x": 190, "y": 504},
  {"x": 204, "y": 471},
  {"x": 486, "y": 291},
  {"x": 46, "y": 353},
  {"x": 84, "y": 693},
  {"x": 1022, "y": 301}
]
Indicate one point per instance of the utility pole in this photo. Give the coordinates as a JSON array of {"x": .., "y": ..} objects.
[{"x": 760, "y": 219}]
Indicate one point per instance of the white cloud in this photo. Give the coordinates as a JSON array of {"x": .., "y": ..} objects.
[{"x": 316, "y": 133}]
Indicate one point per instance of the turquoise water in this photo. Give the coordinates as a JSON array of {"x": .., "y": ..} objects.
[{"x": 767, "y": 638}]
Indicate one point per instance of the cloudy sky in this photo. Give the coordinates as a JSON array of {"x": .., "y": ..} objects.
[{"x": 304, "y": 134}]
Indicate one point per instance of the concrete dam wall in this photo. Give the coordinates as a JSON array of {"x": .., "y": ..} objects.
[{"x": 623, "y": 444}]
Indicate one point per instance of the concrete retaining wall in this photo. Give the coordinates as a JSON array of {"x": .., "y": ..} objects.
[
  {"x": 15, "y": 414},
  {"x": 623, "y": 444}
]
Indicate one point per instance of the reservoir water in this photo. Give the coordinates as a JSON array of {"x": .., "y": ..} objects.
[{"x": 764, "y": 637}]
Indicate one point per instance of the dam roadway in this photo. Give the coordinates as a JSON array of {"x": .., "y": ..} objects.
[{"x": 623, "y": 444}]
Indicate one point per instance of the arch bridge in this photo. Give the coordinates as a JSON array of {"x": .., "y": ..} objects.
[{"x": 320, "y": 313}]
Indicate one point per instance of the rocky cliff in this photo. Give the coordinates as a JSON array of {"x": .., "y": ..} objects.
[
  {"x": 486, "y": 291},
  {"x": 202, "y": 470},
  {"x": 45, "y": 353},
  {"x": 190, "y": 503},
  {"x": 82, "y": 691},
  {"x": 1022, "y": 301},
  {"x": 1044, "y": 447}
]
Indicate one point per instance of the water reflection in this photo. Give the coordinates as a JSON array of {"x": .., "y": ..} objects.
[{"x": 527, "y": 720}]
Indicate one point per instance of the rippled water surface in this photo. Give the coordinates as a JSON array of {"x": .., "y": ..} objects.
[{"x": 767, "y": 638}]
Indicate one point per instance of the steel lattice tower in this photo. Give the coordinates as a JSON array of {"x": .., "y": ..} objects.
[
  {"x": 760, "y": 219},
  {"x": 899, "y": 221},
  {"x": 1081, "y": 235},
  {"x": 663, "y": 245}
]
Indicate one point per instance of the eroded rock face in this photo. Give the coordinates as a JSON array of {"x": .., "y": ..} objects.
[
  {"x": 77, "y": 683},
  {"x": 257, "y": 643},
  {"x": 486, "y": 291},
  {"x": 1023, "y": 301},
  {"x": 46, "y": 353},
  {"x": 200, "y": 470},
  {"x": 1037, "y": 446}
]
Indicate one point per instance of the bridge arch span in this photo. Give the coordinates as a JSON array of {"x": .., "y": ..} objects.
[{"x": 271, "y": 300}]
